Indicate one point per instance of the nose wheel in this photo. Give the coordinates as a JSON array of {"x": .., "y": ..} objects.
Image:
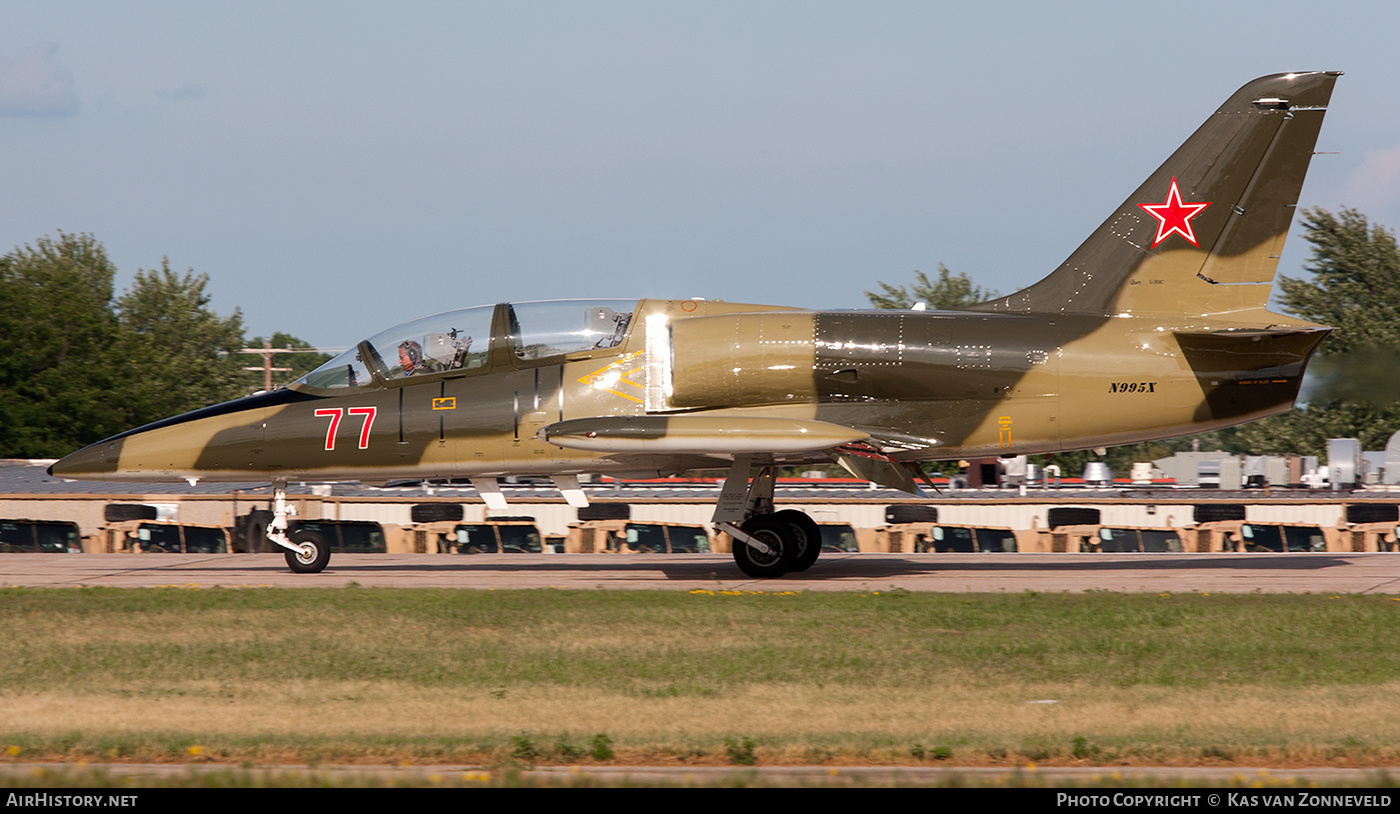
[
  {"x": 311, "y": 553},
  {"x": 306, "y": 550}
]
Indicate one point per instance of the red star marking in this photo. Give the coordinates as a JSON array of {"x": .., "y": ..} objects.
[{"x": 1174, "y": 216}]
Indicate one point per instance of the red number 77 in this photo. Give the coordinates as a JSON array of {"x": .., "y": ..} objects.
[{"x": 335, "y": 415}]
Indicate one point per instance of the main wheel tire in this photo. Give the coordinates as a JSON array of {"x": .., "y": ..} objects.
[
  {"x": 313, "y": 561},
  {"x": 119, "y": 512},
  {"x": 436, "y": 512},
  {"x": 911, "y": 513},
  {"x": 1072, "y": 516},
  {"x": 605, "y": 511},
  {"x": 1214, "y": 512},
  {"x": 1372, "y": 513},
  {"x": 777, "y": 536},
  {"x": 806, "y": 537}
]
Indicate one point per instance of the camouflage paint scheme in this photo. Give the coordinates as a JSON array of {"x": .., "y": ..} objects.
[{"x": 1155, "y": 327}]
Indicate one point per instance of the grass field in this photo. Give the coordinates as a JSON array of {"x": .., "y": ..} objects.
[{"x": 572, "y": 677}]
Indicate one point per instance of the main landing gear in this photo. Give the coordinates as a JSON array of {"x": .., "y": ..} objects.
[
  {"x": 307, "y": 551},
  {"x": 767, "y": 544}
]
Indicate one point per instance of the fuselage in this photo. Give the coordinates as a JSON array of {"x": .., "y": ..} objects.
[{"x": 912, "y": 385}]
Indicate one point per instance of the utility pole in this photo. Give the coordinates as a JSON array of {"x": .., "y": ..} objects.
[{"x": 267, "y": 352}]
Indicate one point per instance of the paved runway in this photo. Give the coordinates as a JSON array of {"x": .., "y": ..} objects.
[{"x": 1222, "y": 573}]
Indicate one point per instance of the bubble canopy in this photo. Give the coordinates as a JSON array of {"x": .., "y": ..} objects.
[{"x": 461, "y": 340}]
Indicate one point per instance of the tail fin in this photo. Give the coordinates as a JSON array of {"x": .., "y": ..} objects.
[{"x": 1203, "y": 234}]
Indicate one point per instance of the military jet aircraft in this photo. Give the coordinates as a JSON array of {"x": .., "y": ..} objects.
[{"x": 1155, "y": 327}]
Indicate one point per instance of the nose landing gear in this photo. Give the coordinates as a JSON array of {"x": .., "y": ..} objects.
[{"x": 307, "y": 551}]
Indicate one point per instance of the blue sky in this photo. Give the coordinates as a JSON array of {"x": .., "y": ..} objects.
[{"x": 340, "y": 167}]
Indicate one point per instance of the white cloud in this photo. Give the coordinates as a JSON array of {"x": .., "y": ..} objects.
[
  {"x": 1376, "y": 183},
  {"x": 34, "y": 85}
]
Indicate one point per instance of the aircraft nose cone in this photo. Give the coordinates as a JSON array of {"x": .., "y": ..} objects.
[{"x": 90, "y": 461}]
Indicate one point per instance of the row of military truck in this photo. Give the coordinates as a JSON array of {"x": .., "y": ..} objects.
[{"x": 604, "y": 527}]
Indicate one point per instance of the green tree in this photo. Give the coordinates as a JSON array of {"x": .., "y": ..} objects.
[
  {"x": 948, "y": 291},
  {"x": 179, "y": 353},
  {"x": 1355, "y": 288},
  {"x": 1355, "y": 283},
  {"x": 57, "y": 337},
  {"x": 1305, "y": 430}
]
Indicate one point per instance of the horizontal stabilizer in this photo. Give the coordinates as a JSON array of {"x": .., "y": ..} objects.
[
  {"x": 1255, "y": 333},
  {"x": 726, "y": 435}
]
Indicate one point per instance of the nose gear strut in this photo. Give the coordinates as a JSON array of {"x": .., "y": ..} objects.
[{"x": 306, "y": 550}]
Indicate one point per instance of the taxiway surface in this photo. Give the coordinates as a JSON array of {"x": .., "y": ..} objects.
[{"x": 1244, "y": 573}]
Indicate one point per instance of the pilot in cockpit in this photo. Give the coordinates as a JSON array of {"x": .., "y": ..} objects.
[{"x": 412, "y": 360}]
